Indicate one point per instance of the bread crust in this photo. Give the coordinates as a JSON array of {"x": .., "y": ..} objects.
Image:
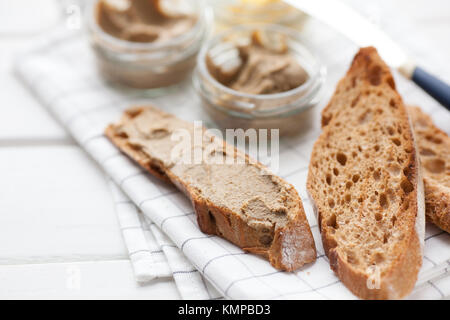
[
  {"x": 437, "y": 201},
  {"x": 434, "y": 147},
  {"x": 399, "y": 278},
  {"x": 283, "y": 253}
]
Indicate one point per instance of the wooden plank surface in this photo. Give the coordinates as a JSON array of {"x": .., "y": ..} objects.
[
  {"x": 80, "y": 280},
  {"x": 56, "y": 206}
]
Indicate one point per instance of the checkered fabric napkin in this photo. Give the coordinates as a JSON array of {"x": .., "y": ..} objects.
[
  {"x": 146, "y": 255},
  {"x": 60, "y": 70},
  {"x": 154, "y": 255}
]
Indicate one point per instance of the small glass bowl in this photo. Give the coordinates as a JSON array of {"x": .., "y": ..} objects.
[
  {"x": 232, "y": 109},
  {"x": 148, "y": 65},
  {"x": 238, "y": 12}
]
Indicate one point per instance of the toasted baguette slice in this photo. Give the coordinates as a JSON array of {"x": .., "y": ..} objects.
[
  {"x": 364, "y": 179},
  {"x": 434, "y": 150},
  {"x": 234, "y": 197}
]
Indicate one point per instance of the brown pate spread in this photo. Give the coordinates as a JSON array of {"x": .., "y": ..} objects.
[
  {"x": 142, "y": 20},
  {"x": 239, "y": 185},
  {"x": 265, "y": 67}
]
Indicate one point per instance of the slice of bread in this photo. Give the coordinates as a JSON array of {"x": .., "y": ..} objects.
[
  {"x": 234, "y": 196},
  {"x": 434, "y": 150},
  {"x": 364, "y": 180}
]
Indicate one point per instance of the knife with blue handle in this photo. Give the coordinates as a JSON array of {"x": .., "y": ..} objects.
[
  {"x": 364, "y": 33},
  {"x": 435, "y": 87}
]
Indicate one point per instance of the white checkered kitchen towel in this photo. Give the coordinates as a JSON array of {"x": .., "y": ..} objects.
[
  {"x": 154, "y": 255},
  {"x": 60, "y": 70}
]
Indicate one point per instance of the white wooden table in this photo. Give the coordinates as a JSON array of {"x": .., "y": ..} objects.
[{"x": 49, "y": 250}]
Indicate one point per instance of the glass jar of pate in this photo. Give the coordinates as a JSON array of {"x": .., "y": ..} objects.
[
  {"x": 232, "y": 109},
  {"x": 147, "y": 65}
]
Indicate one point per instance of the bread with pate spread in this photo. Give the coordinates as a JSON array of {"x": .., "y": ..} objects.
[{"x": 234, "y": 196}]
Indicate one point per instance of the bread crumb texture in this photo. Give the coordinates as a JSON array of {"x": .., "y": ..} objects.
[
  {"x": 434, "y": 150},
  {"x": 363, "y": 180}
]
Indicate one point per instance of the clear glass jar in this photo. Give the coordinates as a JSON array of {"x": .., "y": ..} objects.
[
  {"x": 148, "y": 65},
  {"x": 232, "y": 109},
  {"x": 230, "y": 13}
]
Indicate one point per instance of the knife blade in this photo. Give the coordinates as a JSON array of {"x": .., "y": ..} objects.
[{"x": 364, "y": 33}]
